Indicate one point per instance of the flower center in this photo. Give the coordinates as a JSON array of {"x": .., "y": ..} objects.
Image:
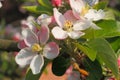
[
  {"x": 36, "y": 47},
  {"x": 68, "y": 25}
]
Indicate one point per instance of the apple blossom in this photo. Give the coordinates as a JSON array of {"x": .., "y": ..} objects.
[
  {"x": 68, "y": 25},
  {"x": 80, "y": 11},
  {"x": 36, "y": 49}
]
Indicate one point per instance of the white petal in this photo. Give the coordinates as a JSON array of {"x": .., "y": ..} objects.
[
  {"x": 37, "y": 64},
  {"x": 75, "y": 34},
  {"x": 29, "y": 37},
  {"x": 44, "y": 19},
  {"x": 81, "y": 25},
  {"x": 59, "y": 33},
  {"x": 51, "y": 50},
  {"x": 77, "y": 5},
  {"x": 60, "y": 19},
  {"x": 0, "y": 4},
  {"x": 95, "y": 15},
  {"x": 24, "y": 57}
]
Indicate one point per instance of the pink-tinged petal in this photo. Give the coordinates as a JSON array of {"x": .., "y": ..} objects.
[
  {"x": 75, "y": 34},
  {"x": 29, "y": 37},
  {"x": 81, "y": 25},
  {"x": 60, "y": 19},
  {"x": 69, "y": 16},
  {"x": 21, "y": 44},
  {"x": 119, "y": 61},
  {"x": 51, "y": 50},
  {"x": 43, "y": 34},
  {"x": 75, "y": 75},
  {"x": 37, "y": 64},
  {"x": 69, "y": 70},
  {"x": 24, "y": 56},
  {"x": 59, "y": 33}
]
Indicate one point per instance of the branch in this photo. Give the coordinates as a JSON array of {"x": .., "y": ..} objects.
[{"x": 8, "y": 45}]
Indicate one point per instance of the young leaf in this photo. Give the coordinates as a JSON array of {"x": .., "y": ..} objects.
[
  {"x": 94, "y": 69},
  {"x": 101, "y": 5},
  {"x": 87, "y": 50},
  {"x": 30, "y": 76},
  {"x": 38, "y": 9},
  {"x": 109, "y": 28},
  {"x": 105, "y": 53},
  {"x": 45, "y": 3},
  {"x": 60, "y": 65}
]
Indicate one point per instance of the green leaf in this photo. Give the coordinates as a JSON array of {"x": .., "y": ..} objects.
[
  {"x": 105, "y": 53},
  {"x": 94, "y": 69},
  {"x": 45, "y": 3},
  {"x": 60, "y": 65},
  {"x": 114, "y": 42},
  {"x": 101, "y": 5},
  {"x": 87, "y": 50},
  {"x": 109, "y": 15},
  {"x": 31, "y": 76},
  {"x": 38, "y": 9},
  {"x": 109, "y": 28}
]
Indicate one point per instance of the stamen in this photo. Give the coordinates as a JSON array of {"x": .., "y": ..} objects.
[
  {"x": 82, "y": 71},
  {"x": 36, "y": 47},
  {"x": 68, "y": 25}
]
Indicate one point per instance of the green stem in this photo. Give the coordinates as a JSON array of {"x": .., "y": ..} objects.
[{"x": 8, "y": 45}]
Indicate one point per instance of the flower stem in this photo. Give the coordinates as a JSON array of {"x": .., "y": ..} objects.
[{"x": 8, "y": 45}]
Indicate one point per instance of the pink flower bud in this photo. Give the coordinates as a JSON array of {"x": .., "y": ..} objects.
[
  {"x": 119, "y": 61},
  {"x": 111, "y": 79},
  {"x": 56, "y": 3}
]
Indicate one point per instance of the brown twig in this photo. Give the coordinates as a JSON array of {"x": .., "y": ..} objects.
[{"x": 8, "y": 45}]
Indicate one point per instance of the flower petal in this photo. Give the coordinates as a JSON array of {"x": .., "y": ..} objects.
[
  {"x": 95, "y": 15},
  {"x": 43, "y": 34},
  {"x": 37, "y": 64},
  {"x": 58, "y": 33},
  {"x": 81, "y": 25},
  {"x": 75, "y": 34},
  {"x": 29, "y": 37},
  {"x": 60, "y": 19},
  {"x": 24, "y": 57},
  {"x": 21, "y": 44},
  {"x": 77, "y": 6},
  {"x": 44, "y": 19},
  {"x": 69, "y": 16},
  {"x": 0, "y": 4},
  {"x": 51, "y": 50}
]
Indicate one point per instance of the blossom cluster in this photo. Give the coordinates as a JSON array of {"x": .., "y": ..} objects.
[{"x": 37, "y": 43}]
